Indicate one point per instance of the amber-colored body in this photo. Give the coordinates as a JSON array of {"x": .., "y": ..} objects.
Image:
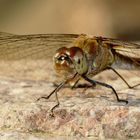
[
  {"x": 91, "y": 55},
  {"x": 84, "y": 58},
  {"x": 95, "y": 54}
]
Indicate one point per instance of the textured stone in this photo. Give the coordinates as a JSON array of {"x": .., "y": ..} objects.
[{"x": 92, "y": 114}]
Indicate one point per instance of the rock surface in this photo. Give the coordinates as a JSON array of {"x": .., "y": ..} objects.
[{"x": 92, "y": 113}]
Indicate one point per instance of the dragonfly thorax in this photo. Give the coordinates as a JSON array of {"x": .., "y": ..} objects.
[{"x": 79, "y": 60}]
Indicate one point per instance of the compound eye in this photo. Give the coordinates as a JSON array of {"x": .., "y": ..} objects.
[{"x": 61, "y": 58}]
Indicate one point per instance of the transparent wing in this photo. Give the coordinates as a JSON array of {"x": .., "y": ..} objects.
[
  {"x": 32, "y": 46},
  {"x": 30, "y": 56},
  {"x": 128, "y": 64},
  {"x": 124, "y": 48}
]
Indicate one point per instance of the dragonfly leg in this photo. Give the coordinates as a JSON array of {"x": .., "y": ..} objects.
[
  {"x": 52, "y": 109},
  {"x": 46, "y": 97},
  {"x": 105, "y": 85},
  {"x": 123, "y": 78},
  {"x": 74, "y": 86},
  {"x": 81, "y": 85},
  {"x": 55, "y": 91}
]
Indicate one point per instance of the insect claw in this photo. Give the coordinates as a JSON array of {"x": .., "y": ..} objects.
[
  {"x": 121, "y": 100},
  {"x": 43, "y": 97},
  {"x": 52, "y": 111},
  {"x": 51, "y": 115}
]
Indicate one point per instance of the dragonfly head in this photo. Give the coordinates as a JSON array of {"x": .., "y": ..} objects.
[{"x": 68, "y": 61}]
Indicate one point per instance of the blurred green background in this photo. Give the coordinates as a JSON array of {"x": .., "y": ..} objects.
[{"x": 110, "y": 18}]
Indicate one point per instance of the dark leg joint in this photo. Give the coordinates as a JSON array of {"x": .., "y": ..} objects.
[{"x": 105, "y": 85}]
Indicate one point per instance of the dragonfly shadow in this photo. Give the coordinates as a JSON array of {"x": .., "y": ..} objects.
[
  {"x": 134, "y": 102},
  {"x": 131, "y": 101},
  {"x": 112, "y": 101},
  {"x": 135, "y": 89},
  {"x": 79, "y": 86}
]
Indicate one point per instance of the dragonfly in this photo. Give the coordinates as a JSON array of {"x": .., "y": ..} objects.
[{"x": 75, "y": 57}]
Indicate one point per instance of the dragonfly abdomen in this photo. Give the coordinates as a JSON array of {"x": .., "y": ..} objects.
[{"x": 124, "y": 62}]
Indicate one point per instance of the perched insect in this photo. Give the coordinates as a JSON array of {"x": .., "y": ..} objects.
[
  {"x": 91, "y": 55},
  {"x": 76, "y": 57}
]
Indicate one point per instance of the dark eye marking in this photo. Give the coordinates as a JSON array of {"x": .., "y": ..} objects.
[
  {"x": 79, "y": 61},
  {"x": 61, "y": 58}
]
